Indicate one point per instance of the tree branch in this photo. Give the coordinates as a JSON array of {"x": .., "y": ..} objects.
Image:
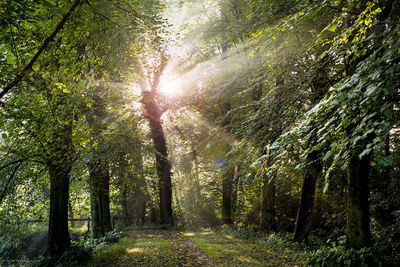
[
  {"x": 158, "y": 73},
  {"x": 3, "y": 193},
  {"x": 28, "y": 68}
]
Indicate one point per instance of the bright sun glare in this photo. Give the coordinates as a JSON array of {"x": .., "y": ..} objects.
[{"x": 170, "y": 88}]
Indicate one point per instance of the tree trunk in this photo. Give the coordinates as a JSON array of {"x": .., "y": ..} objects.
[
  {"x": 99, "y": 181},
  {"x": 235, "y": 185},
  {"x": 358, "y": 217},
  {"x": 305, "y": 210},
  {"x": 163, "y": 165},
  {"x": 140, "y": 204},
  {"x": 126, "y": 207},
  {"x": 267, "y": 214},
  {"x": 59, "y": 168},
  {"x": 227, "y": 193},
  {"x": 58, "y": 238}
]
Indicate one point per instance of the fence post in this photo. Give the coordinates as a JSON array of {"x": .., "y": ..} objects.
[{"x": 88, "y": 225}]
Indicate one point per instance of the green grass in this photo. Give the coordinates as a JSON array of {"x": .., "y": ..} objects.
[
  {"x": 164, "y": 248},
  {"x": 135, "y": 251},
  {"x": 226, "y": 250},
  {"x": 104, "y": 256}
]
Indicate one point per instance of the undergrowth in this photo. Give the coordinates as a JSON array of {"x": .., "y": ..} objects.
[{"x": 315, "y": 253}]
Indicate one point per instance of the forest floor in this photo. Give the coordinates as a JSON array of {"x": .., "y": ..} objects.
[{"x": 188, "y": 248}]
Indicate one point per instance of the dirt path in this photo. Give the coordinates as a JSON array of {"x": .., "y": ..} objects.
[
  {"x": 187, "y": 252},
  {"x": 163, "y": 248}
]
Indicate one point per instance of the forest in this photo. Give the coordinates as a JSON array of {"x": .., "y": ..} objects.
[{"x": 200, "y": 133}]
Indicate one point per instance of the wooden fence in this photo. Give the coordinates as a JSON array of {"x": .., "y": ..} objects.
[{"x": 88, "y": 219}]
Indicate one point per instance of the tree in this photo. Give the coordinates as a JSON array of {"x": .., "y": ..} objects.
[{"x": 153, "y": 113}]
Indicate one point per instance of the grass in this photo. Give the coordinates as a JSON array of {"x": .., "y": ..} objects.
[
  {"x": 135, "y": 251},
  {"x": 227, "y": 250},
  {"x": 104, "y": 256},
  {"x": 170, "y": 248}
]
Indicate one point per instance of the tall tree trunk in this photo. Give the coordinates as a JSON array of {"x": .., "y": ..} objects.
[
  {"x": 153, "y": 114},
  {"x": 227, "y": 193},
  {"x": 59, "y": 168},
  {"x": 267, "y": 214},
  {"x": 358, "y": 217},
  {"x": 141, "y": 201},
  {"x": 163, "y": 172},
  {"x": 58, "y": 238},
  {"x": 196, "y": 179},
  {"x": 126, "y": 207},
  {"x": 305, "y": 210},
  {"x": 235, "y": 185},
  {"x": 99, "y": 181}
]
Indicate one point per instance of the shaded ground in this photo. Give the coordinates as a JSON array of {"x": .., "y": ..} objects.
[{"x": 202, "y": 248}]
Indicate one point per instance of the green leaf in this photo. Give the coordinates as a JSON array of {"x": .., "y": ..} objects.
[
  {"x": 365, "y": 152},
  {"x": 327, "y": 155},
  {"x": 332, "y": 28},
  {"x": 371, "y": 89},
  {"x": 386, "y": 161},
  {"x": 35, "y": 67}
]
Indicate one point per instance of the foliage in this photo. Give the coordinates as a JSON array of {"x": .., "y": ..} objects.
[
  {"x": 336, "y": 253},
  {"x": 110, "y": 238},
  {"x": 73, "y": 256}
]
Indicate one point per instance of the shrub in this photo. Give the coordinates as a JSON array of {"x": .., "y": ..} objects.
[{"x": 336, "y": 254}]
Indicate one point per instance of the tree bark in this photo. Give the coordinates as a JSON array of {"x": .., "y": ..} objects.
[
  {"x": 99, "y": 182},
  {"x": 267, "y": 214},
  {"x": 358, "y": 217},
  {"x": 141, "y": 202},
  {"x": 235, "y": 185},
  {"x": 305, "y": 210},
  {"x": 227, "y": 194},
  {"x": 153, "y": 115},
  {"x": 59, "y": 168},
  {"x": 58, "y": 238}
]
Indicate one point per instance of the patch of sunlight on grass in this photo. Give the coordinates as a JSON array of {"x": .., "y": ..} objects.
[
  {"x": 206, "y": 233},
  {"x": 134, "y": 250},
  {"x": 245, "y": 259},
  {"x": 105, "y": 256},
  {"x": 228, "y": 236},
  {"x": 189, "y": 234},
  {"x": 148, "y": 251}
]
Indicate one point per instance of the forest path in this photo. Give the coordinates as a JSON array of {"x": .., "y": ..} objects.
[
  {"x": 187, "y": 253},
  {"x": 162, "y": 248},
  {"x": 197, "y": 248}
]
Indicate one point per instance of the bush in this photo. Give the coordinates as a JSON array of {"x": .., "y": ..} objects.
[
  {"x": 110, "y": 238},
  {"x": 336, "y": 254},
  {"x": 73, "y": 256},
  {"x": 80, "y": 251},
  {"x": 249, "y": 232}
]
